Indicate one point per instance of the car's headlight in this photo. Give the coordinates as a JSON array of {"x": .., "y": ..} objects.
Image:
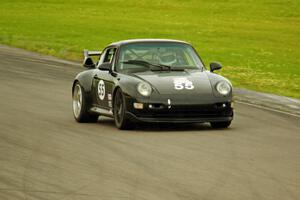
[
  {"x": 144, "y": 89},
  {"x": 223, "y": 88}
]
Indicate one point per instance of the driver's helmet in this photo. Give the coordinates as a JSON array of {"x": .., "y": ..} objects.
[{"x": 167, "y": 58}]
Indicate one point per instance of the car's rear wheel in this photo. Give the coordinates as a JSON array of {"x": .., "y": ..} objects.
[
  {"x": 80, "y": 107},
  {"x": 121, "y": 121},
  {"x": 225, "y": 124}
]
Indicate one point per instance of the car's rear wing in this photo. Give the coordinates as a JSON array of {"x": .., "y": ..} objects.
[
  {"x": 88, "y": 53},
  {"x": 87, "y": 60}
]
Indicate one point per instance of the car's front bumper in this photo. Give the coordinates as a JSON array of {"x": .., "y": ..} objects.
[{"x": 152, "y": 112}]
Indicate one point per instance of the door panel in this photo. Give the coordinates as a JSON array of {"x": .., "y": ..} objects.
[
  {"x": 103, "y": 83},
  {"x": 103, "y": 86}
]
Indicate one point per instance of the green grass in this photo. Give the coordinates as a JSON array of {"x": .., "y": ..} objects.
[{"x": 257, "y": 41}]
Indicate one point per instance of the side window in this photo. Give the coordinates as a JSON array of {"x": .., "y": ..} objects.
[{"x": 109, "y": 55}]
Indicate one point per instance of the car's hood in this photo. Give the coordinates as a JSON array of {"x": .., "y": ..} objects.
[{"x": 188, "y": 82}]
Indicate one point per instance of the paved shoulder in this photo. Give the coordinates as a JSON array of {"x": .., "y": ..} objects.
[{"x": 272, "y": 101}]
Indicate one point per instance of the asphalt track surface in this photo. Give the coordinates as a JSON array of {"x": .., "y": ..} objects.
[{"x": 45, "y": 154}]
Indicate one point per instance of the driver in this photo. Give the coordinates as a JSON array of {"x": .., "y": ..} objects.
[{"x": 167, "y": 58}]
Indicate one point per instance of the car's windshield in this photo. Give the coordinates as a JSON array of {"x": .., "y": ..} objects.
[{"x": 175, "y": 55}]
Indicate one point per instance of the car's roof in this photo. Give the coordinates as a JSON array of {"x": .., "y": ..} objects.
[{"x": 122, "y": 42}]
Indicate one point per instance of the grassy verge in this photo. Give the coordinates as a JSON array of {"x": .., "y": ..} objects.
[{"x": 257, "y": 41}]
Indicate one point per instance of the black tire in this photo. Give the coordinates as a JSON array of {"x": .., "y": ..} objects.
[
  {"x": 82, "y": 115},
  {"x": 122, "y": 122},
  {"x": 220, "y": 125}
]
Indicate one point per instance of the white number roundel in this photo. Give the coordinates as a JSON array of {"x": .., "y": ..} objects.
[{"x": 101, "y": 89}]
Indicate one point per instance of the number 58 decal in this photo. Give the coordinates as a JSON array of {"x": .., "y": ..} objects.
[{"x": 183, "y": 83}]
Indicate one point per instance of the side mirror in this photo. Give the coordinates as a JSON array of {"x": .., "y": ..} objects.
[
  {"x": 88, "y": 63},
  {"x": 215, "y": 66},
  {"x": 105, "y": 67}
]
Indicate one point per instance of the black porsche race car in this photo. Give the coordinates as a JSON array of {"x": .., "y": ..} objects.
[{"x": 151, "y": 80}]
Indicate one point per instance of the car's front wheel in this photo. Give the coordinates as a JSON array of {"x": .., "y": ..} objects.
[
  {"x": 121, "y": 121},
  {"x": 225, "y": 124},
  {"x": 80, "y": 107}
]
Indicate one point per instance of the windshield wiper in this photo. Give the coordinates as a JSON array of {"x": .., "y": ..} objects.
[{"x": 147, "y": 64}]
